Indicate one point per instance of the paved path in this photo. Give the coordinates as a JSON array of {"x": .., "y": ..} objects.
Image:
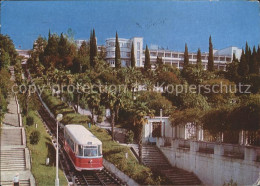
[
  {"x": 14, "y": 155},
  {"x": 119, "y": 132},
  {"x": 105, "y": 124}
]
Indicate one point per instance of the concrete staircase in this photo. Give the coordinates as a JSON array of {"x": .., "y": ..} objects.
[
  {"x": 11, "y": 136},
  {"x": 12, "y": 159},
  {"x": 21, "y": 183},
  {"x": 153, "y": 158}
]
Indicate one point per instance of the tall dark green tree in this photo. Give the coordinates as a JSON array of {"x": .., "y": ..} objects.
[
  {"x": 248, "y": 54},
  {"x": 132, "y": 56},
  {"x": 211, "y": 57},
  {"x": 147, "y": 62},
  {"x": 231, "y": 70},
  {"x": 199, "y": 62},
  {"x": 83, "y": 55},
  {"x": 186, "y": 56},
  {"x": 92, "y": 48},
  {"x": 52, "y": 45},
  {"x": 117, "y": 54},
  {"x": 63, "y": 49},
  {"x": 258, "y": 58},
  {"x": 253, "y": 64},
  {"x": 243, "y": 66}
]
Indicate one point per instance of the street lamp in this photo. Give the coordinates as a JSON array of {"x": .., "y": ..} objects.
[{"x": 58, "y": 118}]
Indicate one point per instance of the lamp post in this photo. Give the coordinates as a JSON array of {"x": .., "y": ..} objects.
[
  {"x": 58, "y": 118},
  {"x": 1, "y": 114}
]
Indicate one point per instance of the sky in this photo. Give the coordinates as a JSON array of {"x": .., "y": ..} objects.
[{"x": 167, "y": 24}]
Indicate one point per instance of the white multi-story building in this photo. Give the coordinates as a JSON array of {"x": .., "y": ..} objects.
[
  {"x": 125, "y": 50},
  {"x": 221, "y": 57}
]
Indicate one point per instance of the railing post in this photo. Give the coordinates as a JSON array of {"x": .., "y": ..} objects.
[
  {"x": 175, "y": 144},
  {"x": 194, "y": 146},
  {"x": 250, "y": 154},
  {"x": 218, "y": 150}
]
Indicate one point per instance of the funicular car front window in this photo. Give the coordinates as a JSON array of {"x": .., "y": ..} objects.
[{"x": 90, "y": 151}]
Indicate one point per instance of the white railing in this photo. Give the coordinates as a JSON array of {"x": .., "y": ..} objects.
[{"x": 250, "y": 153}]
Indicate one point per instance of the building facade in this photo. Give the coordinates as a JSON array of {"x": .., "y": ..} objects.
[
  {"x": 161, "y": 127},
  {"x": 221, "y": 57},
  {"x": 125, "y": 50}
]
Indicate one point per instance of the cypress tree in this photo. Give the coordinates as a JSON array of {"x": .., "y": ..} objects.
[
  {"x": 211, "y": 57},
  {"x": 91, "y": 58},
  {"x": 62, "y": 48},
  {"x": 258, "y": 58},
  {"x": 92, "y": 48},
  {"x": 186, "y": 56},
  {"x": 247, "y": 54},
  {"x": 52, "y": 45},
  {"x": 253, "y": 65},
  {"x": 49, "y": 35},
  {"x": 243, "y": 66},
  {"x": 147, "y": 62},
  {"x": 94, "y": 43},
  {"x": 117, "y": 54},
  {"x": 199, "y": 62},
  {"x": 132, "y": 56}
]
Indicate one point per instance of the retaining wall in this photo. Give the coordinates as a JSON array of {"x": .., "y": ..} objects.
[{"x": 214, "y": 168}]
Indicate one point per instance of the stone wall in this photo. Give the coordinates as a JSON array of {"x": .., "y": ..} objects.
[{"x": 214, "y": 164}]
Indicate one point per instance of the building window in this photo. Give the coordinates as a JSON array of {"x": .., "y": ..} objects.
[
  {"x": 138, "y": 45},
  {"x": 111, "y": 44},
  {"x": 167, "y": 55},
  {"x": 138, "y": 54}
]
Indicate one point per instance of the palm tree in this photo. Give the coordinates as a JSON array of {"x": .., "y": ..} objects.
[
  {"x": 108, "y": 100},
  {"x": 140, "y": 113},
  {"x": 93, "y": 100},
  {"x": 133, "y": 77},
  {"x": 80, "y": 80}
]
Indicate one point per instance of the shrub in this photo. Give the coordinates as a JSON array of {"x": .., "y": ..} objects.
[
  {"x": 100, "y": 119},
  {"x": 35, "y": 137},
  {"x": 130, "y": 136},
  {"x": 29, "y": 120}
]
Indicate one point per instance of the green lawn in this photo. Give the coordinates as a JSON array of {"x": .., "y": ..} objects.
[{"x": 44, "y": 175}]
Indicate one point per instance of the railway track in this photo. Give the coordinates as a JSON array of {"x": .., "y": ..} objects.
[{"x": 103, "y": 177}]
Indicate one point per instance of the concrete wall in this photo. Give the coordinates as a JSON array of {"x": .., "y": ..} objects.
[
  {"x": 118, "y": 173},
  {"x": 214, "y": 169}
]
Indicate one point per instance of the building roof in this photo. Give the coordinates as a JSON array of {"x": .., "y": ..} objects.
[{"x": 81, "y": 135}]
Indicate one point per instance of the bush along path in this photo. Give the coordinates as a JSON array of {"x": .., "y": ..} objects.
[{"x": 112, "y": 151}]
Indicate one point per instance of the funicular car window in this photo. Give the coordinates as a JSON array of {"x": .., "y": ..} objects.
[
  {"x": 90, "y": 151},
  {"x": 99, "y": 150},
  {"x": 80, "y": 152}
]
